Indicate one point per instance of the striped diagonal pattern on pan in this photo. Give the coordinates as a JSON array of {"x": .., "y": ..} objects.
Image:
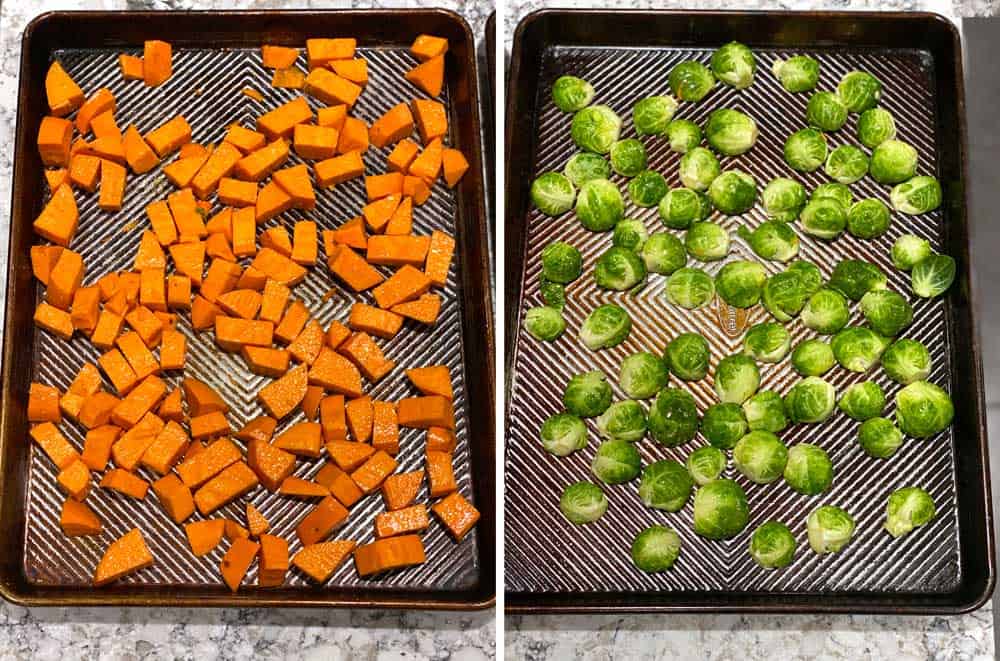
[
  {"x": 595, "y": 557},
  {"x": 206, "y": 88}
]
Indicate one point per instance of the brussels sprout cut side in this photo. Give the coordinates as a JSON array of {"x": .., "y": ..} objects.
[
  {"x": 863, "y": 401},
  {"x": 846, "y": 164},
  {"x": 544, "y": 323},
  {"x": 857, "y": 348},
  {"x": 906, "y": 361},
  {"x": 720, "y": 510},
  {"x": 916, "y": 196},
  {"x": 767, "y": 342},
  {"x": 647, "y": 188},
  {"x": 772, "y": 240},
  {"x": 830, "y": 529},
  {"x": 812, "y": 358},
  {"x": 619, "y": 269},
  {"x": 923, "y": 409},
  {"x": 623, "y": 421},
  {"x": 932, "y": 276},
  {"x": 698, "y": 169},
  {"x": 797, "y": 74},
  {"x": 570, "y": 93},
  {"x": 706, "y": 464},
  {"x": 765, "y": 411},
  {"x": 908, "y": 508},
  {"x": 879, "y": 437},
  {"x": 908, "y": 250},
  {"x": 552, "y": 194},
  {"x": 682, "y": 206},
  {"x": 616, "y": 462},
  {"x": 584, "y": 166},
  {"x": 734, "y": 64},
  {"x": 811, "y": 400},
  {"x": 784, "y": 199},
  {"x": 736, "y": 379},
  {"x": 854, "y": 278},
  {"x": 707, "y": 242},
  {"x": 868, "y": 219},
  {"x": 563, "y": 434},
  {"x": 772, "y": 545},
  {"x": 740, "y": 283},
  {"x": 859, "y": 91},
  {"x": 886, "y": 311},
  {"x": 629, "y": 234},
  {"x": 690, "y": 288},
  {"x": 663, "y": 253},
  {"x": 655, "y": 549},
  {"x": 824, "y": 218},
  {"x": 665, "y": 485},
  {"x": 826, "y": 312},
  {"x": 875, "y": 126},
  {"x": 893, "y": 162},
  {"x": 606, "y": 326},
  {"x": 583, "y": 502}
]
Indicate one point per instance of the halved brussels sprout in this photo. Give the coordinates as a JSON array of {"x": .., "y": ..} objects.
[
  {"x": 805, "y": 150},
  {"x": 563, "y": 434},
  {"x": 797, "y": 74},
  {"x": 835, "y": 191},
  {"x": 859, "y": 90},
  {"x": 730, "y": 132},
  {"x": 587, "y": 395},
  {"x": 652, "y": 115},
  {"x": 868, "y": 219},
  {"x": 687, "y": 356},
  {"x": 767, "y": 342},
  {"x": 682, "y": 206},
  {"x": 663, "y": 253},
  {"x": 619, "y": 269},
  {"x": 665, "y": 485},
  {"x": 683, "y": 135},
  {"x": 824, "y": 218},
  {"x": 826, "y": 112},
  {"x": 826, "y": 312},
  {"x": 724, "y": 424},
  {"x": 606, "y": 326},
  {"x": 783, "y": 199},
  {"x": 628, "y": 157},
  {"x": 552, "y": 193},
  {"x": 734, "y": 64},
  {"x": 595, "y": 128},
  {"x": 698, "y": 169},
  {"x": 923, "y": 409},
  {"x": 886, "y": 311},
  {"x": 583, "y": 502},
  {"x": 655, "y": 549},
  {"x": 673, "y": 417},
  {"x": 784, "y": 295},
  {"x": 760, "y": 456},
  {"x": 908, "y": 508},
  {"x": 909, "y": 250},
  {"x": 736, "y": 379},
  {"x": 733, "y": 192},
  {"x": 809, "y": 470},
  {"x": 690, "y": 288},
  {"x": 561, "y": 262},
  {"x": 906, "y": 361},
  {"x": 616, "y": 462},
  {"x": 570, "y": 93},
  {"x": 879, "y": 437},
  {"x": 544, "y": 323},
  {"x": 553, "y": 294},
  {"x": 854, "y": 278},
  {"x": 599, "y": 206},
  {"x": 918, "y": 195},
  {"x": 707, "y": 242},
  {"x": 810, "y": 400},
  {"x": 932, "y": 276},
  {"x": 706, "y": 464},
  {"x": 863, "y": 401},
  {"x": 740, "y": 283},
  {"x": 875, "y": 126},
  {"x": 647, "y": 188},
  {"x": 623, "y": 421},
  {"x": 812, "y": 358},
  {"x": 893, "y": 162},
  {"x": 812, "y": 277},
  {"x": 772, "y": 240},
  {"x": 772, "y": 544},
  {"x": 857, "y": 348},
  {"x": 629, "y": 234},
  {"x": 584, "y": 166},
  {"x": 690, "y": 81},
  {"x": 830, "y": 529},
  {"x": 765, "y": 411},
  {"x": 643, "y": 375},
  {"x": 720, "y": 510},
  {"x": 846, "y": 164}
]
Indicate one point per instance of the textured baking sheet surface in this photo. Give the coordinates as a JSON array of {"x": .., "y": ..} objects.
[
  {"x": 544, "y": 552},
  {"x": 206, "y": 88}
]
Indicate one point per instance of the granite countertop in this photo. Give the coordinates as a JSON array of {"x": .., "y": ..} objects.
[{"x": 137, "y": 633}]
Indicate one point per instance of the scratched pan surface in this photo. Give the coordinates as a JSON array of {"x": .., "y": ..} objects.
[
  {"x": 206, "y": 87},
  {"x": 552, "y": 564}
]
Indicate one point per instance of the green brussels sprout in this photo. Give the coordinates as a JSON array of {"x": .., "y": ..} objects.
[
  {"x": 932, "y": 276},
  {"x": 886, "y": 311},
  {"x": 772, "y": 544},
  {"x": 552, "y": 194},
  {"x": 623, "y": 421},
  {"x": 809, "y": 470},
  {"x": 553, "y": 294},
  {"x": 859, "y": 90},
  {"x": 835, "y": 191},
  {"x": 868, "y": 219},
  {"x": 687, "y": 356},
  {"x": 805, "y": 150},
  {"x": 857, "y": 348},
  {"x": 784, "y": 295},
  {"x": 797, "y": 74},
  {"x": 826, "y": 112},
  {"x": 616, "y": 462},
  {"x": 734, "y": 64},
  {"x": 846, "y": 164},
  {"x": 730, "y": 132},
  {"x": 619, "y": 269},
  {"x": 599, "y": 206},
  {"x": 683, "y": 135},
  {"x": 690, "y": 81},
  {"x": 608, "y": 325},
  {"x": 628, "y": 157},
  {"x": 595, "y": 129},
  {"x": 893, "y": 162},
  {"x": 909, "y": 250},
  {"x": 682, "y": 206},
  {"x": 765, "y": 411},
  {"x": 760, "y": 456},
  {"x": 698, "y": 169},
  {"x": 810, "y": 400},
  {"x": 830, "y": 529},
  {"x": 812, "y": 358},
  {"x": 663, "y": 253},
  {"x": 875, "y": 126},
  {"x": 879, "y": 437},
  {"x": 647, "y": 188},
  {"x": 706, "y": 464},
  {"x": 783, "y": 199},
  {"x": 855, "y": 277},
  {"x": 772, "y": 240},
  {"x": 563, "y": 434},
  {"x": 923, "y": 409},
  {"x": 655, "y": 549},
  {"x": 720, "y": 510},
  {"x": 825, "y": 312},
  {"x": 544, "y": 323},
  {"x": 673, "y": 418},
  {"x": 643, "y": 375},
  {"x": 824, "y": 218},
  {"x": 767, "y": 342},
  {"x": 906, "y": 361},
  {"x": 707, "y": 242},
  {"x": 863, "y": 401},
  {"x": 812, "y": 277},
  {"x": 629, "y": 234},
  {"x": 740, "y": 283},
  {"x": 919, "y": 195},
  {"x": 724, "y": 424},
  {"x": 665, "y": 485},
  {"x": 570, "y": 93},
  {"x": 908, "y": 508},
  {"x": 736, "y": 379},
  {"x": 652, "y": 115},
  {"x": 690, "y": 288},
  {"x": 584, "y": 166},
  {"x": 561, "y": 262},
  {"x": 583, "y": 502},
  {"x": 587, "y": 395}
]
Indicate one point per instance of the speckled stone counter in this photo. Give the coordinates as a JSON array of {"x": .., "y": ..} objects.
[{"x": 203, "y": 634}]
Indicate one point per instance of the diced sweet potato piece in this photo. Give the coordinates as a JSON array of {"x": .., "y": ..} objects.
[
  {"x": 242, "y": 303},
  {"x": 138, "y": 154},
  {"x": 290, "y": 78},
  {"x": 54, "y": 320},
  {"x": 440, "y": 474},
  {"x": 353, "y": 270},
  {"x": 349, "y": 455},
  {"x": 233, "y": 333},
  {"x": 266, "y": 361},
  {"x": 260, "y": 428},
  {"x": 363, "y": 352},
  {"x": 43, "y": 403},
  {"x": 424, "y": 412},
  {"x": 439, "y": 256},
  {"x": 125, "y": 483},
  {"x": 425, "y": 309},
  {"x": 335, "y": 373},
  {"x": 385, "y": 429},
  {"x": 258, "y": 164},
  {"x": 118, "y": 370},
  {"x": 256, "y": 522},
  {"x": 353, "y": 136},
  {"x": 432, "y": 380},
  {"x": 63, "y": 94},
  {"x": 427, "y": 165},
  {"x": 427, "y": 46},
  {"x": 401, "y": 222},
  {"x": 170, "y": 136},
  {"x": 204, "y": 536},
  {"x": 321, "y": 521},
  {"x": 138, "y": 355},
  {"x": 305, "y": 243},
  {"x": 209, "y": 425},
  {"x": 233, "y": 482},
  {"x": 273, "y": 301},
  {"x": 273, "y": 561},
  {"x": 201, "y": 468},
  {"x": 78, "y": 520},
  {"x": 201, "y": 398},
  {"x": 359, "y": 418},
  {"x": 332, "y": 418},
  {"x": 403, "y": 521},
  {"x": 96, "y": 409},
  {"x": 281, "y": 121},
  {"x": 43, "y": 260},
  {"x": 189, "y": 260},
  {"x": 272, "y": 465},
  {"x": 432, "y": 120},
  {"x": 236, "y": 563},
  {"x": 75, "y": 480},
  {"x": 166, "y": 449},
  {"x": 244, "y": 139},
  {"x": 278, "y": 57},
  {"x": 428, "y": 76},
  {"x": 339, "y": 169},
  {"x": 175, "y": 497},
  {"x": 156, "y": 62},
  {"x": 217, "y": 246},
  {"x": 370, "y": 475},
  {"x": 59, "y": 218},
  {"x": 329, "y": 88},
  {"x": 126, "y": 555},
  {"x": 221, "y": 162},
  {"x": 319, "y": 561},
  {"x": 279, "y": 267},
  {"x": 332, "y": 116},
  {"x": 172, "y": 406},
  {"x": 298, "y": 488},
  {"x": 234, "y": 531},
  {"x": 54, "y": 444},
  {"x": 66, "y": 276},
  {"x": 306, "y": 347},
  {"x": 400, "y": 490},
  {"x": 280, "y": 397},
  {"x": 128, "y": 450},
  {"x": 86, "y": 308},
  {"x": 252, "y": 278},
  {"x": 340, "y": 485},
  {"x": 387, "y": 554},
  {"x": 146, "y": 324},
  {"x": 336, "y": 334},
  {"x": 378, "y": 213},
  {"x": 374, "y": 321},
  {"x": 139, "y": 401},
  {"x": 54, "y": 137},
  {"x": 292, "y": 323},
  {"x": 203, "y": 313},
  {"x": 173, "y": 347},
  {"x": 454, "y": 166},
  {"x": 312, "y": 142},
  {"x": 402, "y": 155},
  {"x": 457, "y": 514}
]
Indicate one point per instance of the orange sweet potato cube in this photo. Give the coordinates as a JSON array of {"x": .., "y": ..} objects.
[
  {"x": 321, "y": 521},
  {"x": 457, "y": 514}
]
